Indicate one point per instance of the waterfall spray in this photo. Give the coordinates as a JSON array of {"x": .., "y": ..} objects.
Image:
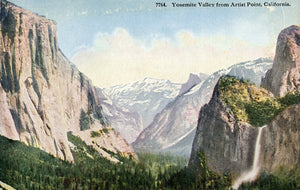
[{"x": 251, "y": 174}]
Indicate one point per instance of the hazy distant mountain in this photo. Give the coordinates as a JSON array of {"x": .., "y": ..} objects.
[
  {"x": 146, "y": 97},
  {"x": 193, "y": 80},
  {"x": 127, "y": 123},
  {"x": 173, "y": 129}
]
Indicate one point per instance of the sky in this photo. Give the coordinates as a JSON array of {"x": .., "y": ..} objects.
[{"x": 117, "y": 42}]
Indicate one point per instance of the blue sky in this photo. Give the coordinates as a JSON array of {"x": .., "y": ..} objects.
[{"x": 91, "y": 33}]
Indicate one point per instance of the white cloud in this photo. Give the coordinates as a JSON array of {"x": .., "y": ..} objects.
[
  {"x": 83, "y": 13},
  {"x": 118, "y": 58}
]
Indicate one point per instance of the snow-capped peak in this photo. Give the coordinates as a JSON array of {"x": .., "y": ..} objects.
[{"x": 147, "y": 96}]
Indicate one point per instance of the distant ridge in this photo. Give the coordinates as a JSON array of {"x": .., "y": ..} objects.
[{"x": 147, "y": 96}]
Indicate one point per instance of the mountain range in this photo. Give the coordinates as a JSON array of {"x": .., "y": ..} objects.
[
  {"x": 174, "y": 127},
  {"x": 146, "y": 97}
]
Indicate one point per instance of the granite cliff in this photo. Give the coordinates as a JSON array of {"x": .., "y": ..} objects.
[
  {"x": 228, "y": 125},
  {"x": 42, "y": 95},
  {"x": 280, "y": 142},
  {"x": 284, "y": 76},
  {"x": 224, "y": 134}
]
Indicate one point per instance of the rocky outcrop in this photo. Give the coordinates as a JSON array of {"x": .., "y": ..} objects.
[
  {"x": 227, "y": 140},
  {"x": 42, "y": 95},
  {"x": 227, "y": 143},
  {"x": 281, "y": 138},
  {"x": 280, "y": 142},
  {"x": 284, "y": 76},
  {"x": 193, "y": 80}
]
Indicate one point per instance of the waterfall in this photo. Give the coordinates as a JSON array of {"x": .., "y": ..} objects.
[{"x": 251, "y": 174}]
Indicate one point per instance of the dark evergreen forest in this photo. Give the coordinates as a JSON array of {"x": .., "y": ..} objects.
[{"x": 25, "y": 167}]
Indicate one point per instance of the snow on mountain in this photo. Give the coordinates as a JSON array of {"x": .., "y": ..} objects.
[
  {"x": 127, "y": 123},
  {"x": 173, "y": 129},
  {"x": 193, "y": 80},
  {"x": 253, "y": 70},
  {"x": 146, "y": 97}
]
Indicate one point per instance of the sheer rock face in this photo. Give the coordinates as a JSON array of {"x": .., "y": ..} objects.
[
  {"x": 227, "y": 144},
  {"x": 284, "y": 76},
  {"x": 280, "y": 141},
  {"x": 42, "y": 95}
]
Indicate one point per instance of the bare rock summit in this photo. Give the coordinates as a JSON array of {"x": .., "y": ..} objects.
[{"x": 284, "y": 76}]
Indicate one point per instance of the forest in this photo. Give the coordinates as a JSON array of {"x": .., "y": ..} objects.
[
  {"x": 252, "y": 104},
  {"x": 25, "y": 167}
]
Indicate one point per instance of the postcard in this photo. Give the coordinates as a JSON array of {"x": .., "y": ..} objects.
[{"x": 149, "y": 94}]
